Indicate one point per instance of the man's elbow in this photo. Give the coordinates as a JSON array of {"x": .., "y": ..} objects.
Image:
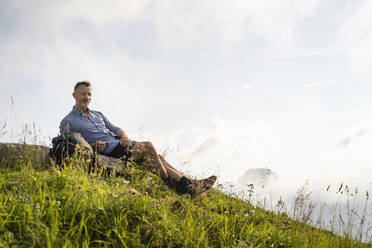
[{"x": 118, "y": 131}]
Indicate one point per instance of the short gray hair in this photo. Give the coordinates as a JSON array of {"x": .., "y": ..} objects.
[{"x": 84, "y": 83}]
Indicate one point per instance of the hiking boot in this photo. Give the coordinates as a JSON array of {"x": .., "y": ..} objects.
[{"x": 195, "y": 187}]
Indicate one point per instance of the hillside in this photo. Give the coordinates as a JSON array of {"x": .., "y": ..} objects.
[{"x": 48, "y": 207}]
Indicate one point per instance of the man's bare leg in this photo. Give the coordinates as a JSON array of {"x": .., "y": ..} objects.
[
  {"x": 165, "y": 163},
  {"x": 198, "y": 186},
  {"x": 147, "y": 154},
  {"x": 170, "y": 169}
]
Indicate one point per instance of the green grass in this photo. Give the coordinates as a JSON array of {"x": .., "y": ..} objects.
[{"x": 71, "y": 208}]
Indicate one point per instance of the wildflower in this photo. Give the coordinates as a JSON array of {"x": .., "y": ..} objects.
[
  {"x": 133, "y": 191},
  {"x": 146, "y": 193},
  {"x": 79, "y": 187},
  {"x": 22, "y": 185},
  {"x": 26, "y": 197},
  {"x": 37, "y": 208},
  {"x": 47, "y": 197}
]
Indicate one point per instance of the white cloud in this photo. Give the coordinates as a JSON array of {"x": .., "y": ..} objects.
[
  {"x": 248, "y": 87},
  {"x": 324, "y": 83},
  {"x": 357, "y": 36},
  {"x": 221, "y": 24},
  {"x": 177, "y": 25},
  {"x": 356, "y": 132},
  {"x": 204, "y": 146}
]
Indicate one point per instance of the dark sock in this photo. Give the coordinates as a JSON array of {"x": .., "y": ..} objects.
[
  {"x": 173, "y": 183},
  {"x": 184, "y": 181},
  {"x": 169, "y": 182},
  {"x": 182, "y": 184}
]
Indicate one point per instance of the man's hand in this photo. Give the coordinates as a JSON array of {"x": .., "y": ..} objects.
[
  {"x": 125, "y": 141},
  {"x": 99, "y": 146}
]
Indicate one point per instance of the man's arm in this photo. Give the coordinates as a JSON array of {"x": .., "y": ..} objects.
[
  {"x": 109, "y": 125},
  {"x": 66, "y": 127},
  {"x": 98, "y": 146},
  {"x": 124, "y": 139},
  {"x": 101, "y": 145}
]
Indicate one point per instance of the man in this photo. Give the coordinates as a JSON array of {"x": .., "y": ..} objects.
[{"x": 110, "y": 140}]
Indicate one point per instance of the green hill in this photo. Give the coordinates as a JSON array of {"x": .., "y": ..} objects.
[{"x": 70, "y": 208}]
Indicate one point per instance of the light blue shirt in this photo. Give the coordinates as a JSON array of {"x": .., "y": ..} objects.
[{"x": 94, "y": 127}]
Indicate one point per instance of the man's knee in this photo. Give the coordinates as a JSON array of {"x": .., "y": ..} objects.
[{"x": 148, "y": 145}]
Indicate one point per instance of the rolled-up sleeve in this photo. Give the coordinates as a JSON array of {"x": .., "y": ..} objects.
[{"x": 109, "y": 125}]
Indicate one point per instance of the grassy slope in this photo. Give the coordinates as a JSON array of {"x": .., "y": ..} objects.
[{"x": 69, "y": 208}]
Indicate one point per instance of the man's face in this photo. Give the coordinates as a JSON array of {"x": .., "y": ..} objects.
[{"x": 82, "y": 96}]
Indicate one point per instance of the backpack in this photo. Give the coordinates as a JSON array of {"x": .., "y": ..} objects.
[{"x": 65, "y": 146}]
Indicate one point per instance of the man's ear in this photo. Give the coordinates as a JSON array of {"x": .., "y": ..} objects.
[{"x": 73, "y": 95}]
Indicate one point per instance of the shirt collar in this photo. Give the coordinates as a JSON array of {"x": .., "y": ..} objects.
[{"x": 76, "y": 111}]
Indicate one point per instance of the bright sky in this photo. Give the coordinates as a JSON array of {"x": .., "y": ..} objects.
[{"x": 225, "y": 85}]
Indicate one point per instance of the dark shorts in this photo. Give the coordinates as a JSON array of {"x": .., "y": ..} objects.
[{"x": 122, "y": 152}]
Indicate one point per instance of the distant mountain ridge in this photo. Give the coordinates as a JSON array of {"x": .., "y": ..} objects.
[{"x": 258, "y": 177}]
